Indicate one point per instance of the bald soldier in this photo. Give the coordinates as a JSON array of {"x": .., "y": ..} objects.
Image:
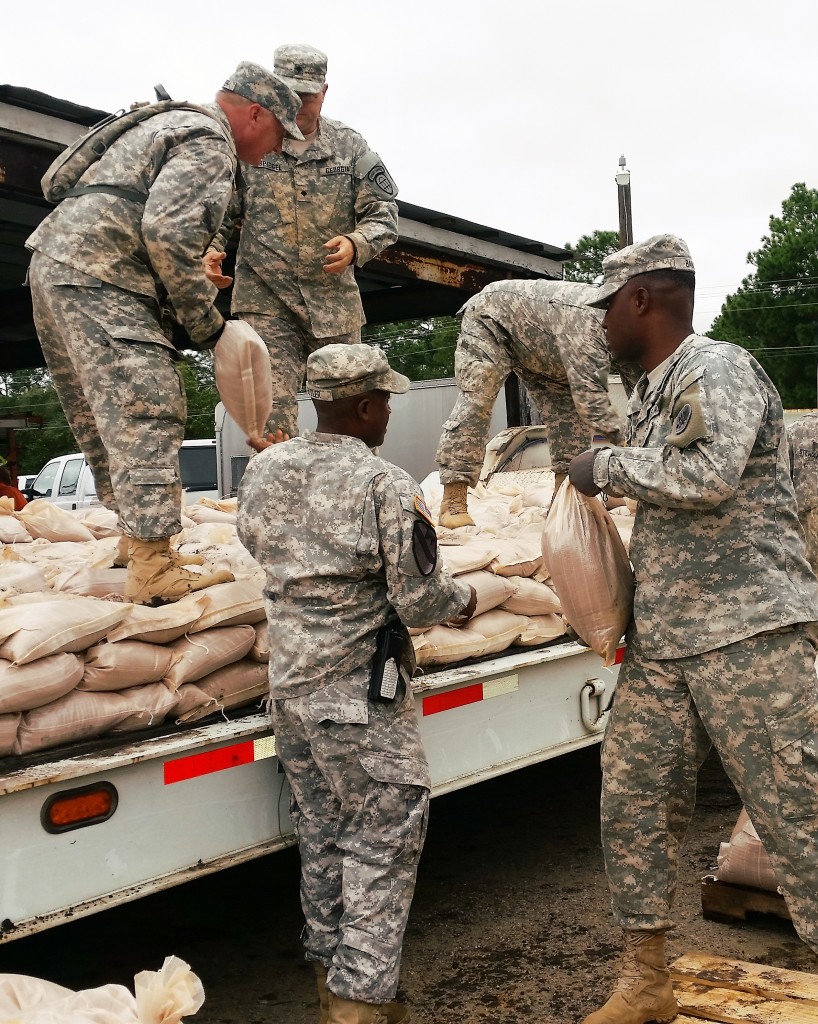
[
  {"x": 350, "y": 556},
  {"x": 544, "y": 332},
  {"x": 123, "y": 249},
  {"x": 719, "y": 650},
  {"x": 309, "y": 215}
]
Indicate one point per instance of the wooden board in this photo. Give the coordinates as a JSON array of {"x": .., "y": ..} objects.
[
  {"x": 722, "y": 901},
  {"x": 713, "y": 988}
]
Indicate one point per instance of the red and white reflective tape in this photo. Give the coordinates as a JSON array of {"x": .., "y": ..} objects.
[
  {"x": 471, "y": 694},
  {"x": 194, "y": 765}
]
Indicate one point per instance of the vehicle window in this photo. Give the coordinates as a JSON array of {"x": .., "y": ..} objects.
[
  {"x": 197, "y": 467},
  {"x": 70, "y": 475},
  {"x": 44, "y": 483}
]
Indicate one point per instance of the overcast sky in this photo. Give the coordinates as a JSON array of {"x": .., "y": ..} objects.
[{"x": 511, "y": 113}]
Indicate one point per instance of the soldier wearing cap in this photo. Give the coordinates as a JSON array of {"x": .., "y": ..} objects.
[
  {"x": 719, "y": 651},
  {"x": 108, "y": 263},
  {"x": 308, "y": 216},
  {"x": 545, "y": 333},
  {"x": 348, "y": 547}
]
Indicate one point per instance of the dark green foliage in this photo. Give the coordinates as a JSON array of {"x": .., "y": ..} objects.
[
  {"x": 420, "y": 349},
  {"x": 774, "y": 312},
  {"x": 589, "y": 252}
]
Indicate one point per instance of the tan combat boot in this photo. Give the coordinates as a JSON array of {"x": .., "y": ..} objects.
[
  {"x": 323, "y": 991},
  {"x": 154, "y": 577},
  {"x": 122, "y": 555},
  {"x": 644, "y": 992},
  {"x": 454, "y": 509},
  {"x": 394, "y": 1013},
  {"x": 348, "y": 1011}
]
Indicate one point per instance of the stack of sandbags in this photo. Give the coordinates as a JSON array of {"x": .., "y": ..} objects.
[{"x": 743, "y": 860}]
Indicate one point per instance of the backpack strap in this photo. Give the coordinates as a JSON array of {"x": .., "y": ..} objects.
[{"x": 113, "y": 190}]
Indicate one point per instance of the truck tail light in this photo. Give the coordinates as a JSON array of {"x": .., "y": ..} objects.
[{"x": 76, "y": 808}]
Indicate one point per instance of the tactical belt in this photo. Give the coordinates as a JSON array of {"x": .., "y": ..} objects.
[{"x": 111, "y": 190}]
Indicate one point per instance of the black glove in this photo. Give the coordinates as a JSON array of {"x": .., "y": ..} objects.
[{"x": 581, "y": 472}]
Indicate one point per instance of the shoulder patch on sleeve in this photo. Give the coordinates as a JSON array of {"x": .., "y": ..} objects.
[
  {"x": 422, "y": 510},
  {"x": 372, "y": 169},
  {"x": 688, "y": 423}
]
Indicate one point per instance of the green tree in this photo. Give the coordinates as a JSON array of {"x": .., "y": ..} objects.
[
  {"x": 202, "y": 397},
  {"x": 420, "y": 349},
  {"x": 774, "y": 311},
  {"x": 589, "y": 252}
]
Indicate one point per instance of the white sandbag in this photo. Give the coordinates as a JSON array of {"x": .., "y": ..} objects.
[
  {"x": 158, "y": 625},
  {"x": 43, "y": 519},
  {"x": 8, "y": 735},
  {"x": 466, "y": 557},
  {"x": 528, "y": 597},
  {"x": 204, "y": 514},
  {"x": 25, "y": 687},
  {"x": 198, "y": 655},
  {"x": 102, "y": 583},
  {"x": 260, "y": 651},
  {"x": 624, "y": 526},
  {"x": 491, "y": 590},
  {"x": 12, "y": 531},
  {"x": 222, "y": 504},
  {"x": 124, "y": 664},
  {"x": 35, "y": 630},
  {"x": 590, "y": 569},
  {"x": 150, "y": 705},
  {"x": 499, "y": 628},
  {"x": 229, "y": 687},
  {"x": 238, "y": 603},
  {"x": 18, "y": 577},
  {"x": 243, "y": 378},
  {"x": 99, "y": 521},
  {"x": 518, "y": 556},
  {"x": 540, "y": 629},
  {"x": 442, "y": 645},
  {"x": 79, "y": 715},
  {"x": 744, "y": 861}
]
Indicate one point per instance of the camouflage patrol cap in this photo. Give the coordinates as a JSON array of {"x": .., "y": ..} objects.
[
  {"x": 302, "y": 67},
  {"x": 661, "y": 252},
  {"x": 342, "y": 371},
  {"x": 261, "y": 86}
]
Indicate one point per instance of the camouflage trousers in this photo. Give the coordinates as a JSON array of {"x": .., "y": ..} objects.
[
  {"x": 756, "y": 701},
  {"x": 483, "y": 360},
  {"x": 809, "y": 522},
  {"x": 117, "y": 382},
  {"x": 289, "y": 342},
  {"x": 360, "y": 798}
]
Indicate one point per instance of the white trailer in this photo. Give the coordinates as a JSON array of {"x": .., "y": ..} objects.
[{"x": 173, "y": 804}]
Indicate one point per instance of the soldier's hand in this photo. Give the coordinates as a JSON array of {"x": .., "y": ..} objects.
[
  {"x": 260, "y": 443},
  {"x": 341, "y": 254},
  {"x": 212, "y": 263},
  {"x": 581, "y": 472},
  {"x": 463, "y": 617}
]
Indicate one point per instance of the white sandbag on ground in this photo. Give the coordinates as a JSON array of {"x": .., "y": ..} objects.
[
  {"x": 158, "y": 625},
  {"x": 124, "y": 664},
  {"x": 541, "y": 629},
  {"x": 442, "y": 645},
  {"x": 198, "y": 655},
  {"x": 518, "y": 556},
  {"x": 491, "y": 590},
  {"x": 8, "y": 736},
  {"x": 238, "y": 603},
  {"x": 204, "y": 514},
  {"x": 102, "y": 583},
  {"x": 241, "y": 364},
  {"x": 100, "y": 521},
  {"x": 221, "y": 504},
  {"x": 590, "y": 569},
  {"x": 528, "y": 597},
  {"x": 260, "y": 651},
  {"x": 12, "y": 531},
  {"x": 35, "y": 630},
  {"x": 25, "y": 687},
  {"x": 499, "y": 628},
  {"x": 229, "y": 687},
  {"x": 466, "y": 557},
  {"x": 19, "y": 577},
  {"x": 43, "y": 519},
  {"x": 743, "y": 860}
]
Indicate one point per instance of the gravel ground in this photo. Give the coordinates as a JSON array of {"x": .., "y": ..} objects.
[{"x": 510, "y": 922}]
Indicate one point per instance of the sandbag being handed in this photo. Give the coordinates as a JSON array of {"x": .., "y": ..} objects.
[
  {"x": 589, "y": 568},
  {"x": 243, "y": 377}
]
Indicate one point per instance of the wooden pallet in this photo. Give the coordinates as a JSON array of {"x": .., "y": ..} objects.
[
  {"x": 713, "y": 988},
  {"x": 723, "y": 901}
]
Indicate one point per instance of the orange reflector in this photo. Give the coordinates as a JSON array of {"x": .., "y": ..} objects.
[{"x": 75, "y": 808}]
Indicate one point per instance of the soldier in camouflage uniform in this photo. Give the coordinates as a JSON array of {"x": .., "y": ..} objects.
[
  {"x": 803, "y": 439},
  {"x": 545, "y": 333},
  {"x": 719, "y": 651},
  {"x": 308, "y": 216},
  {"x": 348, "y": 546},
  {"x": 125, "y": 246}
]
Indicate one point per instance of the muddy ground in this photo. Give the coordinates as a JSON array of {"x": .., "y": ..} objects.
[{"x": 510, "y": 922}]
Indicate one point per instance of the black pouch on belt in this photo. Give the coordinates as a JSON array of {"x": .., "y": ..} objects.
[{"x": 386, "y": 664}]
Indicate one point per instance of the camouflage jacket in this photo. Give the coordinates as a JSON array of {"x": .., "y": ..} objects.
[
  {"x": 717, "y": 549},
  {"x": 289, "y": 207},
  {"x": 184, "y": 162},
  {"x": 334, "y": 528},
  {"x": 552, "y": 333},
  {"x": 803, "y": 439}
]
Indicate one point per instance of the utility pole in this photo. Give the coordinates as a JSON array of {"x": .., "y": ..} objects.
[{"x": 623, "y": 187}]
